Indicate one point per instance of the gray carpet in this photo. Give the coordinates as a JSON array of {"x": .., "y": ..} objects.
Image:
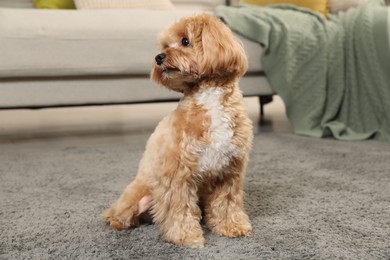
[{"x": 307, "y": 199}]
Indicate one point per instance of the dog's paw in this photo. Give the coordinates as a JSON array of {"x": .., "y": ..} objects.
[
  {"x": 126, "y": 213},
  {"x": 195, "y": 242},
  {"x": 190, "y": 239},
  {"x": 234, "y": 226},
  {"x": 120, "y": 219},
  {"x": 183, "y": 232},
  {"x": 232, "y": 229}
]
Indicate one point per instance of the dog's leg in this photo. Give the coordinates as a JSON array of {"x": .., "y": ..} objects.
[
  {"x": 224, "y": 212},
  {"x": 135, "y": 200},
  {"x": 176, "y": 209}
]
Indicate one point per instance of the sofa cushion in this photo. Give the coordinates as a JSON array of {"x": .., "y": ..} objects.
[
  {"x": 54, "y": 4},
  {"x": 197, "y": 4},
  {"x": 17, "y": 3},
  {"x": 45, "y": 43},
  {"x": 124, "y": 4},
  {"x": 213, "y": 2},
  {"x": 320, "y": 6}
]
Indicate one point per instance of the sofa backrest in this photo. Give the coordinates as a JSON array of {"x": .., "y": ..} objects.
[
  {"x": 178, "y": 3},
  {"x": 197, "y": 5},
  {"x": 212, "y": 2}
]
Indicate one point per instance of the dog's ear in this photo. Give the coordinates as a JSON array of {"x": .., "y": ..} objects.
[{"x": 223, "y": 55}]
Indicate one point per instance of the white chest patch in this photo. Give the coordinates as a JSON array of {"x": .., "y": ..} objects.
[{"x": 217, "y": 155}]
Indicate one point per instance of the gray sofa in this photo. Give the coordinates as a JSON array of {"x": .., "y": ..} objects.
[{"x": 86, "y": 57}]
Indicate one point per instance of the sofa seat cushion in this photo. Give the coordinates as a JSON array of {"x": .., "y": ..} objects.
[{"x": 46, "y": 43}]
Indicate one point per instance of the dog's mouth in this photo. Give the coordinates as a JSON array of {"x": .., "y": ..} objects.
[{"x": 169, "y": 69}]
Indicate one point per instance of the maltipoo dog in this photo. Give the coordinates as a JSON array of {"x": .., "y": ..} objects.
[{"x": 196, "y": 158}]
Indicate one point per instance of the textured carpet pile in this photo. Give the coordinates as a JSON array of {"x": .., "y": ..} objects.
[{"x": 307, "y": 199}]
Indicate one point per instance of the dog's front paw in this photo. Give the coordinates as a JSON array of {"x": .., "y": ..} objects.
[
  {"x": 194, "y": 241},
  {"x": 120, "y": 219},
  {"x": 197, "y": 243},
  {"x": 234, "y": 226},
  {"x": 127, "y": 213},
  {"x": 190, "y": 239}
]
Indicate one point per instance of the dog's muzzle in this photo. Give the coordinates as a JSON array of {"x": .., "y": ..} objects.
[{"x": 160, "y": 58}]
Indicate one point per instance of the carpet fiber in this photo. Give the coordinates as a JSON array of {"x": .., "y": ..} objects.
[{"x": 307, "y": 199}]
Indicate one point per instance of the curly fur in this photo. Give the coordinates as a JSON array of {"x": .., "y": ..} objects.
[{"x": 196, "y": 158}]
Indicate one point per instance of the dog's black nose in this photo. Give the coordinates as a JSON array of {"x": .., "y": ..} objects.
[{"x": 160, "y": 58}]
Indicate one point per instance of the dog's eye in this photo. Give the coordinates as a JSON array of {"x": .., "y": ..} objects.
[{"x": 185, "y": 42}]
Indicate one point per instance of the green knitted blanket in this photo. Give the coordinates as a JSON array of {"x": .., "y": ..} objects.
[{"x": 332, "y": 74}]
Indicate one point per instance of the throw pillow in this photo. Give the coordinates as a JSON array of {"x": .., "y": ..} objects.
[
  {"x": 316, "y": 5},
  {"x": 54, "y": 4},
  {"x": 124, "y": 4}
]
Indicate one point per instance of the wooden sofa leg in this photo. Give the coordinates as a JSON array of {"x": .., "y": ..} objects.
[{"x": 264, "y": 99}]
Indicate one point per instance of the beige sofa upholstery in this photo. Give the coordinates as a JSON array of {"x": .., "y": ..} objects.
[{"x": 82, "y": 57}]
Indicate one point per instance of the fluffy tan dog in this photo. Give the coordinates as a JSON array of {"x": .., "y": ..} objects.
[{"x": 196, "y": 158}]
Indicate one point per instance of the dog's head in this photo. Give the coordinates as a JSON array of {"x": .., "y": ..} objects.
[{"x": 197, "y": 49}]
